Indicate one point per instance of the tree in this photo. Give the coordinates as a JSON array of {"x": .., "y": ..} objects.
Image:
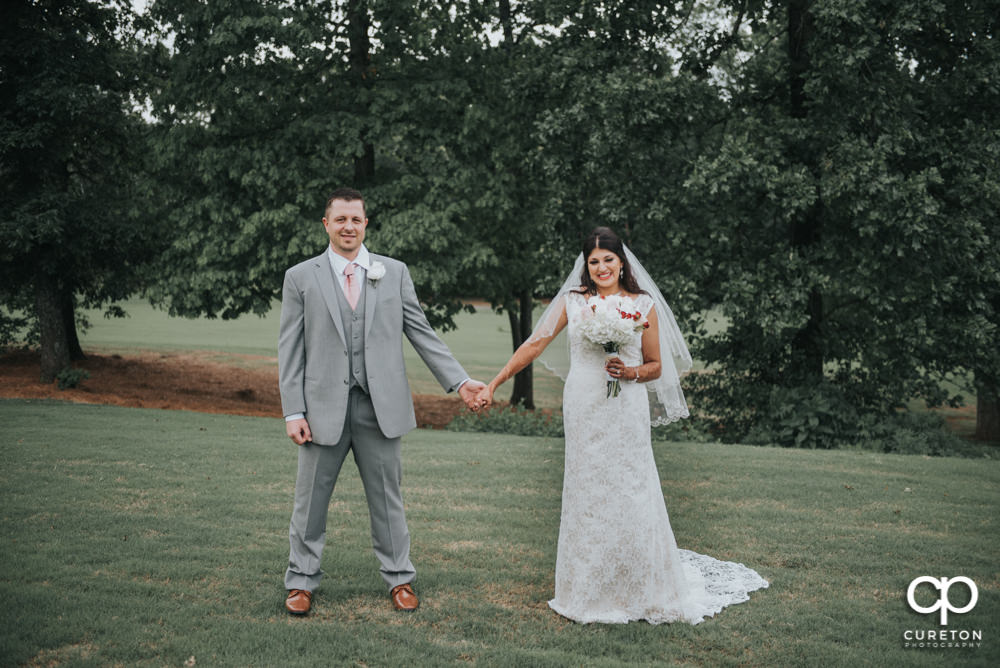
[
  {"x": 617, "y": 130},
  {"x": 71, "y": 166},
  {"x": 265, "y": 108},
  {"x": 252, "y": 126},
  {"x": 839, "y": 220},
  {"x": 489, "y": 137},
  {"x": 488, "y": 183},
  {"x": 960, "y": 56},
  {"x": 557, "y": 104},
  {"x": 404, "y": 102},
  {"x": 454, "y": 119}
]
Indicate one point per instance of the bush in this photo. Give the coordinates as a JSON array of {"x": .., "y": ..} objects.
[
  {"x": 805, "y": 417},
  {"x": 691, "y": 430},
  {"x": 917, "y": 434},
  {"x": 516, "y": 421},
  {"x": 70, "y": 377},
  {"x": 821, "y": 415},
  {"x": 521, "y": 422}
]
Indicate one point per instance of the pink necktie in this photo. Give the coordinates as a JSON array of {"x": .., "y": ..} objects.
[{"x": 351, "y": 286}]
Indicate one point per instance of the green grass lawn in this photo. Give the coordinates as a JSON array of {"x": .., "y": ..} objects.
[
  {"x": 147, "y": 328},
  {"x": 140, "y": 537}
]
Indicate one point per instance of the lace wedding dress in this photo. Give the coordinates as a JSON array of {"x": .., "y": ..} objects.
[{"x": 617, "y": 558}]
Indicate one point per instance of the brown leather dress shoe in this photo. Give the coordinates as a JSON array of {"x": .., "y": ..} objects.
[
  {"x": 403, "y": 598},
  {"x": 299, "y": 601}
]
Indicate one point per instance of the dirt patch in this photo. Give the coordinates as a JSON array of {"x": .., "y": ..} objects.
[{"x": 194, "y": 381}]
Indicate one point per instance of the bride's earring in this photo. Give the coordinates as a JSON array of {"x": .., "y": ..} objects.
[{"x": 621, "y": 274}]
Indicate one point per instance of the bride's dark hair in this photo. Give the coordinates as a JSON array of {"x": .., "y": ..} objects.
[{"x": 605, "y": 238}]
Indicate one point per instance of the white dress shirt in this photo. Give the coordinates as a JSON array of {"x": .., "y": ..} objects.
[{"x": 338, "y": 262}]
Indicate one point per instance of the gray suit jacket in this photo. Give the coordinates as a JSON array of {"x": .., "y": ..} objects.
[{"x": 313, "y": 367}]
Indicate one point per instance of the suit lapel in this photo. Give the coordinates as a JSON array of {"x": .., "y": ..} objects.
[
  {"x": 325, "y": 278},
  {"x": 371, "y": 296}
]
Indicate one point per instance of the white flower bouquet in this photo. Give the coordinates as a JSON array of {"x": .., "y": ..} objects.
[{"x": 612, "y": 323}]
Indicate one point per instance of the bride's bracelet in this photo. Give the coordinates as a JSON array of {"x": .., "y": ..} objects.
[{"x": 636, "y": 379}]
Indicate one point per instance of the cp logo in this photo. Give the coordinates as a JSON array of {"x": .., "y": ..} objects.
[{"x": 943, "y": 604}]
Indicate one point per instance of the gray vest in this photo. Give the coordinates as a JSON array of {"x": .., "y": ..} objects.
[{"x": 354, "y": 330}]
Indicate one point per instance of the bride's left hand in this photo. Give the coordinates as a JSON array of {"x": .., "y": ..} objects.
[
  {"x": 485, "y": 398},
  {"x": 615, "y": 367}
]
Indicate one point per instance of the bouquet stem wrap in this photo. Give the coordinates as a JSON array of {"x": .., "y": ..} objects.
[{"x": 614, "y": 385}]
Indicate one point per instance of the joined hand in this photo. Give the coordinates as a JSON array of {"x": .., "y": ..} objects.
[
  {"x": 470, "y": 391},
  {"x": 485, "y": 397}
]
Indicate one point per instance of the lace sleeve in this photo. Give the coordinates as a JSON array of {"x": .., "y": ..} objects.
[{"x": 644, "y": 303}]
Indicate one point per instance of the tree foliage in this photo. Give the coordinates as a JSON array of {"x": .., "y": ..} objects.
[
  {"x": 821, "y": 174},
  {"x": 267, "y": 106},
  {"x": 70, "y": 166},
  {"x": 850, "y": 211}
]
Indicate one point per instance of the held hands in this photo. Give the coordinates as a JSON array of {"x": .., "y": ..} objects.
[
  {"x": 470, "y": 391},
  {"x": 485, "y": 397},
  {"x": 298, "y": 431}
]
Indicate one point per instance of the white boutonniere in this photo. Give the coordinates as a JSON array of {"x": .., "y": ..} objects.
[{"x": 376, "y": 271}]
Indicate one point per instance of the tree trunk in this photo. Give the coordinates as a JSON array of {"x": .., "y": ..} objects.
[
  {"x": 987, "y": 409},
  {"x": 807, "y": 345},
  {"x": 519, "y": 316},
  {"x": 69, "y": 323},
  {"x": 505, "y": 23},
  {"x": 359, "y": 45},
  {"x": 53, "y": 345},
  {"x": 520, "y": 330},
  {"x": 800, "y": 27}
]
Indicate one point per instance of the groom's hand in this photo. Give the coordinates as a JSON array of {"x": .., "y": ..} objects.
[
  {"x": 298, "y": 431},
  {"x": 469, "y": 391}
]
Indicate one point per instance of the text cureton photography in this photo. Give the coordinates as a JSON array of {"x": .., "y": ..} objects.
[
  {"x": 945, "y": 638},
  {"x": 942, "y": 638}
]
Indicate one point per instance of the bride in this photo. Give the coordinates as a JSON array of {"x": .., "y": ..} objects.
[{"x": 617, "y": 559}]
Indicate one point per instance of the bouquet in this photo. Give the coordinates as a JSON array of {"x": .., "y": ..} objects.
[{"x": 612, "y": 323}]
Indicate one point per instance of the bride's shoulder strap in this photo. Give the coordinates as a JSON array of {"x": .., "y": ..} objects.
[{"x": 644, "y": 302}]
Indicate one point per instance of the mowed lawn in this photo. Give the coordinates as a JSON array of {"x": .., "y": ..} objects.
[{"x": 140, "y": 537}]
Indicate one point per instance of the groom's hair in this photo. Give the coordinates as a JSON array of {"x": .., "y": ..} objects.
[{"x": 349, "y": 194}]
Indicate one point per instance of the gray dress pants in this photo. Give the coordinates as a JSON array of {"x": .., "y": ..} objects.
[{"x": 379, "y": 463}]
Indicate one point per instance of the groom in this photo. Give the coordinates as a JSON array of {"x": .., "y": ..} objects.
[{"x": 343, "y": 387}]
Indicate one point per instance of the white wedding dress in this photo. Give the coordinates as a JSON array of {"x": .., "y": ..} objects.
[{"x": 617, "y": 558}]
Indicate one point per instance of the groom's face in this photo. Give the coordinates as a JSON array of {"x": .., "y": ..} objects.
[{"x": 345, "y": 222}]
